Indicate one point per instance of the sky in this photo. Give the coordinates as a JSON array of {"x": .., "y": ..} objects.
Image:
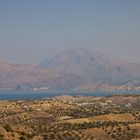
[{"x": 32, "y": 30}]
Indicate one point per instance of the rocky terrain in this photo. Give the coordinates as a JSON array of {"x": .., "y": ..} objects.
[
  {"x": 75, "y": 70},
  {"x": 71, "y": 118}
]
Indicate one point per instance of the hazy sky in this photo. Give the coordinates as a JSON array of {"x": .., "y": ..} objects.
[{"x": 32, "y": 30}]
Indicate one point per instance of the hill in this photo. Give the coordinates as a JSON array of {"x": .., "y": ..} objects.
[{"x": 71, "y": 118}]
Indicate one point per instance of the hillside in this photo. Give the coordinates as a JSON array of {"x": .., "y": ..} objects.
[{"x": 80, "y": 118}]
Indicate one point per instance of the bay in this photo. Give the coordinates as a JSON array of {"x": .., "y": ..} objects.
[{"x": 30, "y": 95}]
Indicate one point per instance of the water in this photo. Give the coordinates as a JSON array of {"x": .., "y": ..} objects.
[{"x": 20, "y": 95}]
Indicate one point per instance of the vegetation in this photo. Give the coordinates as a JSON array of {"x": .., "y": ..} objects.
[{"x": 77, "y": 118}]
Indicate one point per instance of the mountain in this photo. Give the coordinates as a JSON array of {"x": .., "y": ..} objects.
[
  {"x": 93, "y": 67},
  {"x": 75, "y": 70},
  {"x": 30, "y": 77},
  {"x": 22, "y": 76}
]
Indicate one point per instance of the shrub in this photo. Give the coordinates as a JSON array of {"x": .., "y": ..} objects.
[
  {"x": 22, "y": 138},
  {"x": 8, "y": 128}
]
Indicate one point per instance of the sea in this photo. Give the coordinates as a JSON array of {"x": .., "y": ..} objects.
[{"x": 31, "y": 95}]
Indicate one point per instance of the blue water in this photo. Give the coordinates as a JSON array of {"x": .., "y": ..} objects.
[{"x": 16, "y": 95}]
